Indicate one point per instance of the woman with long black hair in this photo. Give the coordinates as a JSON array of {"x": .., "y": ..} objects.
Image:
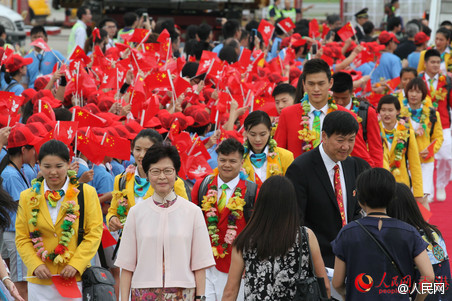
[
  {"x": 405, "y": 208},
  {"x": 7, "y": 205},
  {"x": 271, "y": 260},
  {"x": 20, "y": 151}
]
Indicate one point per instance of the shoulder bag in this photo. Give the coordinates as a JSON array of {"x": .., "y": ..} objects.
[{"x": 311, "y": 288}]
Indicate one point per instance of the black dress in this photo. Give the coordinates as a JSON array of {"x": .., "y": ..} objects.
[{"x": 273, "y": 279}]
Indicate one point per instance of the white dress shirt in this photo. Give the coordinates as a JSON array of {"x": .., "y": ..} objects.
[
  {"x": 435, "y": 82},
  {"x": 262, "y": 171},
  {"x": 54, "y": 211},
  {"x": 231, "y": 187},
  {"x": 329, "y": 165},
  {"x": 322, "y": 115}
]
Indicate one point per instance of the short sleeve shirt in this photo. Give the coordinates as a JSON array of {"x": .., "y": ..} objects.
[
  {"x": 14, "y": 184},
  {"x": 362, "y": 255}
]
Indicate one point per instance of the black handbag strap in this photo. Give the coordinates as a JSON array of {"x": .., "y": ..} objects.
[
  {"x": 81, "y": 228},
  {"x": 304, "y": 233},
  {"x": 382, "y": 248}
]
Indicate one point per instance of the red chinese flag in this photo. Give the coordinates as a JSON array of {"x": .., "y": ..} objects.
[
  {"x": 346, "y": 32},
  {"x": 393, "y": 83},
  {"x": 199, "y": 147},
  {"x": 314, "y": 29},
  {"x": 89, "y": 145},
  {"x": 182, "y": 142},
  {"x": 286, "y": 24},
  {"x": 67, "y": 287},
  {"x": 325, "y": 30},
  {"x": 431, "y": 150},
  {"x": 40, "y": 43},
  {"x": 86, "y": 118},
  {"x": 266, "y": 29},
  {"x": 116, "y": 147},
  {"x": 79, "y": 55},
  {"x": 157, "y": 80},
  {"x": 107, "y": 239},
  {"x": 152, "y": 47},
  {"x": 164, "y": 35},
  {"x": 139, "y": 34},
  {"x": 424, "y": 211},
  {"x": 182, "y": 86}
]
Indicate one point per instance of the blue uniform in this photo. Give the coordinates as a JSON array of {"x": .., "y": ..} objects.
[
  {"x": 42, "y": 64},
  {"x": 16, "y": 89},
  {"x": 413, "y": 59},
  {"x": 389, "y": 68},
  {"x": 30, "y": 172},
  {"x": 117, "y": 168},
  {"x": 102, "y": 180},
  {"x": 14, "y": 184}
]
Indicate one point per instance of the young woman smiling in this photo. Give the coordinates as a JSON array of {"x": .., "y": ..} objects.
[
  {"x": 262, "y": 158},
  {"x": 421, "y": 116}
]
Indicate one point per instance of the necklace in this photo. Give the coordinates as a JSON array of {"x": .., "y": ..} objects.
[
  {"x": 306, "y": 135},
  {"x": 235, "y": 206},
  {"x": 61, "y": 254}
]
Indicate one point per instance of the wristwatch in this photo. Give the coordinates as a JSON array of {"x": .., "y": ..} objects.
[{"x": 202, "y": 298}]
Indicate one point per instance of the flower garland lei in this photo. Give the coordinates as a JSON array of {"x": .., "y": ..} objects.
[
  {"x": 121, "y": 195},
  {"x": 355, "y": 108},
  {"x": 61, "y": 254},
  {"x": 401, "y": 137},
  {"x": 405, "y": 112},
  {"x": 306, "y": 135},
  {"x": 441, "y": 91},
  {"x": 235, "y": 206},
  {"x": 273, "y": 160}
]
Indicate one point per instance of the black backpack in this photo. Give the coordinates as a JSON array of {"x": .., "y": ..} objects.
[
  {"x": 250, "y": 196},
  {"x": 98, "y": 283}
]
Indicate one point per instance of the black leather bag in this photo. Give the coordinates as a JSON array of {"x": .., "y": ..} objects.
[
  {"x": 98, "y": 283},
  {"x": 311, "y": 288}
]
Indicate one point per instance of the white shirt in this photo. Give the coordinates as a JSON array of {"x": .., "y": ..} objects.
[
  {"x": 262, "y": 171},
  {"x": 349, "y": 106},
  {"x": 231, "y": 187},
  {"x": 80, "y": 35},
  {"x": 322, "y": 115},
  {"x": 435, "y": 81},
  {"x": 329, "y": 165},
  {"x": 54, "y": 211}
]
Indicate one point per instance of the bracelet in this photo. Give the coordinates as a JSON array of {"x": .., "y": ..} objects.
[
  {"x": 124, "y": 88},
  {"x": 4, "y": 278}
]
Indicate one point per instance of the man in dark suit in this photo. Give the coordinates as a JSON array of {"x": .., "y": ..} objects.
[{"x": 324, "y": 180}]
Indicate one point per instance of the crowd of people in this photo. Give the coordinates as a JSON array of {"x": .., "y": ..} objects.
[{"x": 222, "y": 168}]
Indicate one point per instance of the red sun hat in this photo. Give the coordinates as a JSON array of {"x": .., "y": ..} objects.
[
  {"x": 386, "y": 37},
  {"x": 21, "y": 136},
  {"x": 15, "y": 62}
]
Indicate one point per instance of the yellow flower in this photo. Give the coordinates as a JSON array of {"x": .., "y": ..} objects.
[
  {"x": 274, "y": 169},
  {"x": 33, "y": 202},
  {"x": 236, "y": 203},
  {"x": 215, "y": 252},
  {"x": 396, "y": 172},
  {"x": 306, "y": 135},
  {"x": 207, "y": 203}
]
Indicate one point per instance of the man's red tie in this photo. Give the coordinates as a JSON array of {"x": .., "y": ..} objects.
[{"x": 338, "y": 192}]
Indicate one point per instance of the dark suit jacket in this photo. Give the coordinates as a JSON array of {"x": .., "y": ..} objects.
[{"x": 316, "y": 198}]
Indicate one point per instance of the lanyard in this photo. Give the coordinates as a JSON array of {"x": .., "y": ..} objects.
[{"x": 21, "y": 174}]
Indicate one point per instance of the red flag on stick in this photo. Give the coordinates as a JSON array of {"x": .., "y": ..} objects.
[
  {"x": 107, "y": 239},
  {"x": 346, "y": 32},
  {"x": 314, "y": 29},
  {"x": 430, "y": 150},
  {"x": 266, "y": 29},
  {"x": 67, "y": 287}
]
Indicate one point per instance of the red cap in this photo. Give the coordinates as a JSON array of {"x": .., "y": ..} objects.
[
  {"x": 420, "y": 38},
  {"x": 28, "y": 94},
  {"x": 201, "y": 117},
  {"x": 21, "y": 136},
  {"x": 133, "y": 127},
  {"x": 92, "y": 108},
  {"x": 296, "y": 40},
  {"x": 40, "y": 117},
  {"x": 41, "y": 82},
  {"x": 16, "y": 61},
  {"x": 38, "y": 128},
  {"x": 385, "y": 37}
]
